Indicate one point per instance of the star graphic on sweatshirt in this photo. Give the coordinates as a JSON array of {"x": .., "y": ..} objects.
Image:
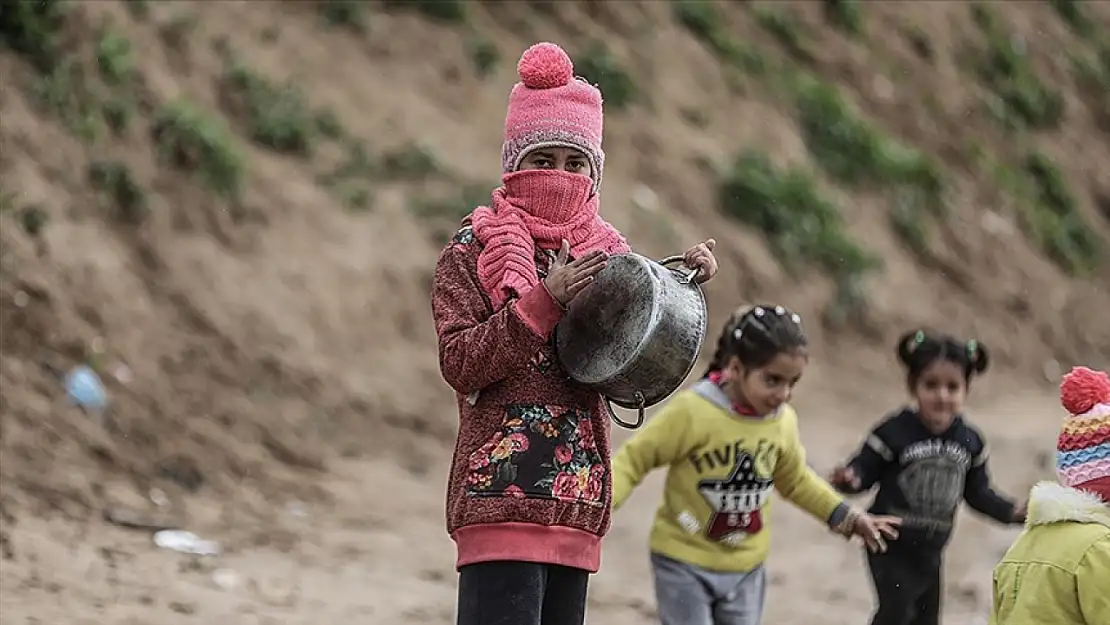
[{"x": 736, "y": 500}]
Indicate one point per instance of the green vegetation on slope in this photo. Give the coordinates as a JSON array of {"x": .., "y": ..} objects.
[
  {"x": 195, "y": 142},
  {"x": 784, "y": 26},
  {"x": 855, "y": 153},
  {"x": 86, "y": 98},
  {"x": 802, "y": 228},
  {"x": 345, "y": 13},
  {"x": 786, "y": 206},
  {"x": 350, "y": 180},
  {"x": 115, "y": 181},
  {"x": 33, "y": 29},
  {"x": 1023, "y": 99},
  {"x": 446, "y": 11},
  {"x": 31, "y": 217},
  {"x": 277, "y": 116},
  {"x": 1049, "y": 211},
  {"x": 1055, "y": 218},
  {"x": 86, "y": 95},
  {"x": 846, "y": 15},
  {"x": 705, "y": 22},
  {"x": 598, "y": 65},
  {"x": 852, "y": 152},
  {"x": 1075, "y": 16},
  {"x": 484, "y": 55}
]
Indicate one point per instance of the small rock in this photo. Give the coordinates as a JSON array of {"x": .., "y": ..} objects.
[
  {"x": 126, "y": 517},
  {"x": 884, "y": 89},
  {"x": 645, "y": 199},
  {"x": 1051, "y": 370},
  {"x": 996, "y": 224},
  {"x": 226, "y": 579},
  {"x": 182, "y": 608},
  {"x": 297, "y": 509},
  {"x": 7, "y": 551},
  {"x": 1045, "y": 460},
  {"x": 122, "y": 373},
  {"x": 968, "y": 592},
  {"x": 159, "y": 497}
]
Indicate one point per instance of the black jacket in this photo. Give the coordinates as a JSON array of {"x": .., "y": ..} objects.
[{"x": 923, "y": 476}]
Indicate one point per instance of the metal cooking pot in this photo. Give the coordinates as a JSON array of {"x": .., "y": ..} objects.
[{"x": 635, "y": 333}]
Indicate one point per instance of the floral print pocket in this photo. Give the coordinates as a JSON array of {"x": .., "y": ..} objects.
[{"x": 541, "y": 451}]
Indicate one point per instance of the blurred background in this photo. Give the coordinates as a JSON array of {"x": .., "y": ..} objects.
[{"x": 219, "y": 221}]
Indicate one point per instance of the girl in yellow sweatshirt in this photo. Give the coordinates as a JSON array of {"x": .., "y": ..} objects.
[{"x": 728, "y": 442}]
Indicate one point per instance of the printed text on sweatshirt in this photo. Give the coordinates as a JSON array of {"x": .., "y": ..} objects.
[
  {"x": 530, "y": 473},
  {"x": 923, "y": 476}
]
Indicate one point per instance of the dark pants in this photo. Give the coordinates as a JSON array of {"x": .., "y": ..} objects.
[
  {"x": 908, "y": 587},
  {"x": 521, "y": 593}
]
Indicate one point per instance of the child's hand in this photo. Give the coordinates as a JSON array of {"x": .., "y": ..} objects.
[
  {"x": 1020, "y": 512},
  {"x": 566, "y": 280},
  {"x": 701, "y": 256},
  {"x": 845, "y": 476},
  {"x": 875, "y": 530}
]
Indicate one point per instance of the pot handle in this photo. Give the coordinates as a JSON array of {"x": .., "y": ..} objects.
[
  {"x": 686, "y": 279},
  {"x": 639, "y": 413}
]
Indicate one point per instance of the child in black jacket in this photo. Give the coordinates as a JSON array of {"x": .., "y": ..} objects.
[{"x": 925, "y": 459}]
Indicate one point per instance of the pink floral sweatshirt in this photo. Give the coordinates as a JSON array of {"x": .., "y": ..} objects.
[{"x": 530, "y": 476}]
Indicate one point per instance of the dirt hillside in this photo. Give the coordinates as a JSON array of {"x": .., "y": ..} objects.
[{"x": 231, "y": 210}]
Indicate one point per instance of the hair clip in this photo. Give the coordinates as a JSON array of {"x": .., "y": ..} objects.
[
  {"x": 737, "y": 333},
  {"x": 758, "y": 311},
  {"x": 972, "y": 348},
  {"x": 916, "y": 341},
  {"x": 796, "y": 318},
  {"x": 780, "y": 311}
]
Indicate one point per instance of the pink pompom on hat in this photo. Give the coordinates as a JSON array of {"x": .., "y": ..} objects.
[
  {"x": 549, "y": 107},
  {"x": 1083, "y": 448}
]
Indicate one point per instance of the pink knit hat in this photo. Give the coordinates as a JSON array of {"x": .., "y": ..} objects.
[{"x": 549, "y": 107}]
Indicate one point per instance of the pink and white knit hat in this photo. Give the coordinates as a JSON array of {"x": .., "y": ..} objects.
[
  {"x": 549, "y": 107},
  {"x": 1083, "y": 449}
]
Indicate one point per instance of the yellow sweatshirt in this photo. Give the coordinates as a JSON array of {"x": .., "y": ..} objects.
[{"x": 722, "y": 468}]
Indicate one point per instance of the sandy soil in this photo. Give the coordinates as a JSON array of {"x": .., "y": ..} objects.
[{"x": 376, "y": 552}]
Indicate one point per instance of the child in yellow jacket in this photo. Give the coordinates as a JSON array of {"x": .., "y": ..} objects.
[
  {"x": 728, "y": 442},
  {"x": 1058, "y": 570}
]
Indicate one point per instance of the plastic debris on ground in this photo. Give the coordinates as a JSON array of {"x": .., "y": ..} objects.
[
  {"x": 85, "y": 389},
  {"x": 186, "y": 542}
]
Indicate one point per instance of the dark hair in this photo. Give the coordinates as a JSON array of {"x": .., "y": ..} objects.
[
  {"x": 918, "y": 349},
  {"x": 756, "y": 334}
]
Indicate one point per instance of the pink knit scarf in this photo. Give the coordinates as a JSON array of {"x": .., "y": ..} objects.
[{"x": 537, "y": 207}]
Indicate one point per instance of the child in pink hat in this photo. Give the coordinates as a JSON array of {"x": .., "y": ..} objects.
[{"x": 529, "y": 494}]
